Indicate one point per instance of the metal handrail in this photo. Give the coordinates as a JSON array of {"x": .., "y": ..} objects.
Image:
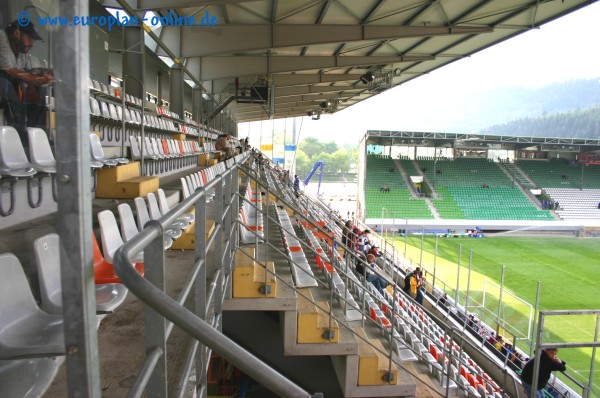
[{"x": 199, "y": 329}]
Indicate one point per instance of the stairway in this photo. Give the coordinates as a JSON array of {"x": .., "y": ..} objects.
[
  {"x": 518, "y": 175},
  {"x": 305, "y": 327},
  {"x": 522, "y": 182},
  {"x": 406, "y": 178}
]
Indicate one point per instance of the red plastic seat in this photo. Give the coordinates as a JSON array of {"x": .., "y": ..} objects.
[{"x": 104, "y": 271}]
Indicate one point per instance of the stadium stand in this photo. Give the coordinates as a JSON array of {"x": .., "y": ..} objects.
[
  {"x": 398, "y": 200},
  {"x": 560, "y": 173},
  {"x": 478, "y": 189},
  {"x": 576, "y": 204}
]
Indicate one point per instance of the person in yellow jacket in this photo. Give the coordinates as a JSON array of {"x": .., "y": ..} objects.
[{"x": 416, "y": 282}]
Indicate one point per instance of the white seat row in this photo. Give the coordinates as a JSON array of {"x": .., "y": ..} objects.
[
  {"x": 301, "y": 270},
  {"x": 251, "y": 217},
  {"x": 336, "y": 283}
]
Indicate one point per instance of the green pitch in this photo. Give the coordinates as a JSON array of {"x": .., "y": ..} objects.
[{"x": 568, "y": 269}]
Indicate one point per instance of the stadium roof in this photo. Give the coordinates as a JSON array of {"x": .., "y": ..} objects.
[
  {"x": 479, "y": 141},
  {"x": 312, "y": 53}
]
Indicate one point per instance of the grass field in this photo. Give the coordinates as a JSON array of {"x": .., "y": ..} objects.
[{"x": 568, "y": 269}]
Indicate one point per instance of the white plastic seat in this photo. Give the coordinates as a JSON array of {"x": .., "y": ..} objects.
[
  {"x": 111, "y": 237},
  {"x": 13, "y": 161},
  {"x": 143, "y": 217},
  {"x": 129, "y": 228},
  {"x": 98, "y": 154},
  {"x": 47, "y": 255},
  {"x": 40, "y": 152},
  {"x": 26, "y": 377},
  {"x": 155, "y": 213},
  {"x": 155, "y": 148},
  {"x": 134, "y": 143},
  {"x": 108, "y": 296},
  {"x": 95, "y": 107},
  {"x": 164, "y": 206},
  {"x": 104, "y": 110},
  {"x": 184, "y": 186},
  {"x": 25, "y": 330},
  {"x": 148, "y": 150}
]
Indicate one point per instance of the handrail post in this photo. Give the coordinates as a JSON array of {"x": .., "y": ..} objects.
[
  {"x": 201, "y": 306},
  {"x": 156, "y": 324},
  {"x": 265, "y": 216},
  {"x": 218, "y": 250},
  {"x": 227, "y": 224}
]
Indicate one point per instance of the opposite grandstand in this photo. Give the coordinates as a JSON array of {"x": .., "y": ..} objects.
[{"x": 479, "y": 178}]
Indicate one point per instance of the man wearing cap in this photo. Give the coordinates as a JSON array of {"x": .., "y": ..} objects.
[{"x": 21, "y": 90}]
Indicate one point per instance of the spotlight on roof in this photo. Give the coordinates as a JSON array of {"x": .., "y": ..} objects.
[
  {"x": 325, "y": 104},
  {"x": 367, "y": 78},
  {"x": 309, "y": 113}
]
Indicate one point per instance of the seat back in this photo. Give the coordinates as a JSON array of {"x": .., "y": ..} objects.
[
  {"x": 184, "y": 186},
  {"x": 39, "y": 148},
  {"x": 113, "y": 112},
  {"x": 155, "y": 213},
  {"x": 109, "y": 231},
  {"x": 155, "y": 150},
  {"x": 135, "y": 147},
  {"x": 12, "y": 153},
  {"x": 128, "y": 227},
  {"x": 47, "y": 256},
  {"x": 104, "y": 109},
  {"x": 142, "y": 212},
  {"x": 162, "y": 201},
  {"x": 148, "y": 150},
  {"x": 96, "y": 148},
  {"x": 16, "y": 299},
  {"x": 95, "y": 107}
]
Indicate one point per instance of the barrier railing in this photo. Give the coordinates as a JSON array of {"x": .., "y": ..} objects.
[{"x": 163, "y": 311}]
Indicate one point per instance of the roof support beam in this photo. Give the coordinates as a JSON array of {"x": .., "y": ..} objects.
[
  {"x": 198, "y": 41},
  {"x": 212, "y": 68},
  {"x": 314, "y": 90},
  {"x": 289, "y": 80}
]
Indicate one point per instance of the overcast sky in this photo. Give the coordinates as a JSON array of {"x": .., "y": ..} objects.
[{"x": 562, "y": 50}]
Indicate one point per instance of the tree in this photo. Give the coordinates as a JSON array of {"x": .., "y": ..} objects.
[
  {"x": 311, "y": 147},
  {"x": 340, "y": 161},
  {"x": 330, "y": 147},
  {"x": 303, "y": 164}
]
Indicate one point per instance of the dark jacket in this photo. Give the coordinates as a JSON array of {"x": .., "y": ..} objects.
[{"x": 546, "y": 367}]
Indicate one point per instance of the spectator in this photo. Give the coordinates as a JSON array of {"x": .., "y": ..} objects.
[
  {"x": 363, "y": 242},
  {"x": 347, "y": 236},
  {"x": 375, "y": 251},
  {"x": 377, "y": 281},
  {"x": 548, "y": 362},
  {"x": 443, "y": 300},
  {"x": 22, "y": 92},
  {"x": 407, "y": 279},
  {"x": 223, "y": 145},
  {"x": 416, "y": 283},
  {"x": 296, "y": 185}
]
